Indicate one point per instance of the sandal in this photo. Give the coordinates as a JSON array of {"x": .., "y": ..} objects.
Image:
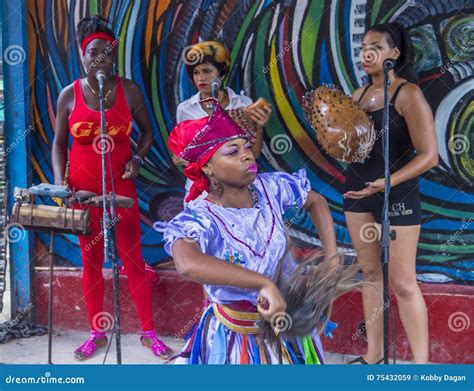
[
  {"x": 362, "y": 360},
  {"x": 158, "y": 347},
  {"x": 89, "y": 347}
]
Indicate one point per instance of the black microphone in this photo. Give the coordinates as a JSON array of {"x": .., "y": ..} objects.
[
  {"x": 389, "y": 64},
  {"x": 215, "y": 87},
  {"x": 100, "y": 76}
]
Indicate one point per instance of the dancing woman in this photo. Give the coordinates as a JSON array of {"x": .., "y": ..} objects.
[
  {"x": 78, "y": 115},
  {"x": 233, "y": 241},
  {"x": 413, "y": 151}
]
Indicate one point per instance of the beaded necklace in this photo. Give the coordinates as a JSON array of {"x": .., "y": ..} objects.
[{"x": 241, "y": 241}]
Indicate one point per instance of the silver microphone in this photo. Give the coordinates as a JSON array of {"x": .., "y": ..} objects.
[
  {"x": 100, "y": 76},
  {"x": 215, "y": 87}
]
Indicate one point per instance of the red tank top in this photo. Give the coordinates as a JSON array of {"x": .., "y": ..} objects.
[{"x": 84, "y": 123}]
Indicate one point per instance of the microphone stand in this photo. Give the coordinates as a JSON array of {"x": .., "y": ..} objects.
[
  {"x": 386, "y": 234},
  {"x": 110, "y": 248},
  {"x": 215, "y": 87}
]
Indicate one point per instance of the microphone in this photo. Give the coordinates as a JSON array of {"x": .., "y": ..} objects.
[
  {"x": 100, "y": 76},
  {"x": 215, "y": 87},
  {"x": 389, "y": 64}
]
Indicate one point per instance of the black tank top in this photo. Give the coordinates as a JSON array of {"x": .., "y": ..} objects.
[{"x": 401, "y": 150}]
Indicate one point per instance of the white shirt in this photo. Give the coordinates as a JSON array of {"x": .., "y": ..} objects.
[{"x": 192, "y": 109}]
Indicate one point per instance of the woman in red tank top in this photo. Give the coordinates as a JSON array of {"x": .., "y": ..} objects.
[{"x": 78, "y": 115}]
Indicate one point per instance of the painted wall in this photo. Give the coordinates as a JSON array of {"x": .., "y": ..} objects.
[{"x": 279, "y": 50}]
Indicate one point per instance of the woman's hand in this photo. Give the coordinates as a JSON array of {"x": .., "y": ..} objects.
[
  {"x": 270, "y": 301},
  {"x": 260, "y": 116},
  {"x": 132, "y": 168},
  {"x": 178, "y": 161},
  {"x": 333, "y": 261},
  {"x": 372, "y": 188}
]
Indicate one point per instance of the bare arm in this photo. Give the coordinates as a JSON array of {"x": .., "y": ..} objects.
[
  {"x": 136, "y": 102},
  {"x": 194, "y": 265},
  {"x": 59, "y": 150},
  {"x": 323, "y": 221},
  {"x": 419, "y": 118}
]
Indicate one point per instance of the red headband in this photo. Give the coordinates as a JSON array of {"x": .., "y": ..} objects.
[{"x": 91, "y": 37}]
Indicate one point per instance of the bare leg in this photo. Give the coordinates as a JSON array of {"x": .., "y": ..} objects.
[
  {"x": 412, "y": 307},
  {"x": 365, "y": 239}
]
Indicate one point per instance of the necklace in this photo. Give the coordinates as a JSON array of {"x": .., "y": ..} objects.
[
  {"x": 376, "y": 91},
  {"x": 267, "y": 243},
  {"x": 210, "y": 106},
  {"x": 253, "y": 194},
  {"x": 95, "y": 92}
]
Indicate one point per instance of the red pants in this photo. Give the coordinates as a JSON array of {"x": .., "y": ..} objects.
[{"x": 85, "y": 174}]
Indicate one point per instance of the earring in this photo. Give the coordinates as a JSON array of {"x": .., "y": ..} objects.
[
  {"x": 114, "y": 70},
  {"x": 215, "y": 187}
]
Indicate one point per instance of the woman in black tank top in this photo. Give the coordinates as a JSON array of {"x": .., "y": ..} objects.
[{"x": 413, "y": 151}]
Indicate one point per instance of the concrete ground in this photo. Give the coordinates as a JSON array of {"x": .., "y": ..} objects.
[{"x": 34, "y": 350}]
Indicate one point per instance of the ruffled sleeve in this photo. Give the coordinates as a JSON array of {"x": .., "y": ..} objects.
[
  {"x": 187, "y": 224},
  {"x": 290, "y": 190}
]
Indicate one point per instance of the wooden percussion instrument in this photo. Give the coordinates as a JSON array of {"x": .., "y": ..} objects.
[
  {"x": 48, "y": 218},
  {"x": 342, "y": 127},
  {"x": 241, "y": 115}
]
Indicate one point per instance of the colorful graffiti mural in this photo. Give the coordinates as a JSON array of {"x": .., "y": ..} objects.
[{"x": 279, "y": 50}]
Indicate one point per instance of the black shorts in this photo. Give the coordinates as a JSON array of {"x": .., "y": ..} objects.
[{"x": 404, "y": 206}]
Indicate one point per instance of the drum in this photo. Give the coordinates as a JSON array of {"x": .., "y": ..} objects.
[
  {"x": 342, "y": 127},
  {"x": 51, "y": 218}
]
